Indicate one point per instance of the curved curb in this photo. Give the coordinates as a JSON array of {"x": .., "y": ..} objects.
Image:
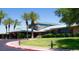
[{"x": 14, "y": 44}]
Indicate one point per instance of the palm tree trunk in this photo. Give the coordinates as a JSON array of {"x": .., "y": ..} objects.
[
  {"x": 6, "y": 32},
  {"x": 0, "y": 21},
  {"x": 32, "y": 29},
  {"x": 9, "y": 33},
  {"x": 27, "y": 29},
  {"x": 32, "y": 34}
]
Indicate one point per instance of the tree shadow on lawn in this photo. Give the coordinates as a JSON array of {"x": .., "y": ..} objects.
[{"x": 72, "y": 44}]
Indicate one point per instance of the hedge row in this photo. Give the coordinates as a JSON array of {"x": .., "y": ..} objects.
[
  {"x": 20, "y": 35},
  {"x": 60, "y": 35}
]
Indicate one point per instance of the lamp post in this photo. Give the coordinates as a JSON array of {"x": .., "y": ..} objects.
[
  {"x": 18, "y": 38},
  {"x": 51, "y": 44},
  {"x": 19, "y": 41}
]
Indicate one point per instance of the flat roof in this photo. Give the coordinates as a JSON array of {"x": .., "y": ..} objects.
[
  {"x": 44, "y": 29},
  {"x": 52, "y": 27}
]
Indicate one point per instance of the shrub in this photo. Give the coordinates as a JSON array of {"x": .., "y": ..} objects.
[
  {"x": 20, "y": 35},
  {"x": 63, "y": 35},
  {"x": 69, "y": 34},
  {"x": 66, "y": 34},
  {"x": 48, "y": 35},
  {"x": 53, "y": 35},
  {"x": 29, "y": 36},
  {"x": 77, "y": 34},
  {"x": 60, "y": 35}
]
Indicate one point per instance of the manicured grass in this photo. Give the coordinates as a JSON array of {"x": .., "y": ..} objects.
[{"x": 66, "y": 42}]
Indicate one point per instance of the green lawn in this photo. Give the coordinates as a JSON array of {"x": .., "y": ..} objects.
[{"x": 67, "y": 42}]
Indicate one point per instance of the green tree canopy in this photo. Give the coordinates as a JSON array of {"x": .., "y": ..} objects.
[
  {"x": 2, "y": 15},
  {"x": 16, "y": 22},
  {"x": 69, "y": 16},
  {"x": 33, "y": 17}
]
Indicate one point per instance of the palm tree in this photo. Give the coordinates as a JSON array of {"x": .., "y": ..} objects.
[
  {"x": 33, "y": 17},
  {"x": 16, "y": 22},
  {"x": 26, "y": 17},
  {"x": 2, "y": 15},
  {"x": 9, "y": 23},
  {"x": 5, "y": 24}
]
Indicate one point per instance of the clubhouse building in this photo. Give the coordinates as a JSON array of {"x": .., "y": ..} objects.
[{"x": 42, "y": 30}]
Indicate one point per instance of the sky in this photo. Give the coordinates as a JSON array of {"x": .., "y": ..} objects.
[{"x": 46, "y": 15}]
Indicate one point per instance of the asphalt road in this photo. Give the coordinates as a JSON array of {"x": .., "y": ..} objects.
[{"x": 3, "y": 47}]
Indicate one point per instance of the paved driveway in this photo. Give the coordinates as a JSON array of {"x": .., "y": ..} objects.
[{"x": 3, "y": 47}]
